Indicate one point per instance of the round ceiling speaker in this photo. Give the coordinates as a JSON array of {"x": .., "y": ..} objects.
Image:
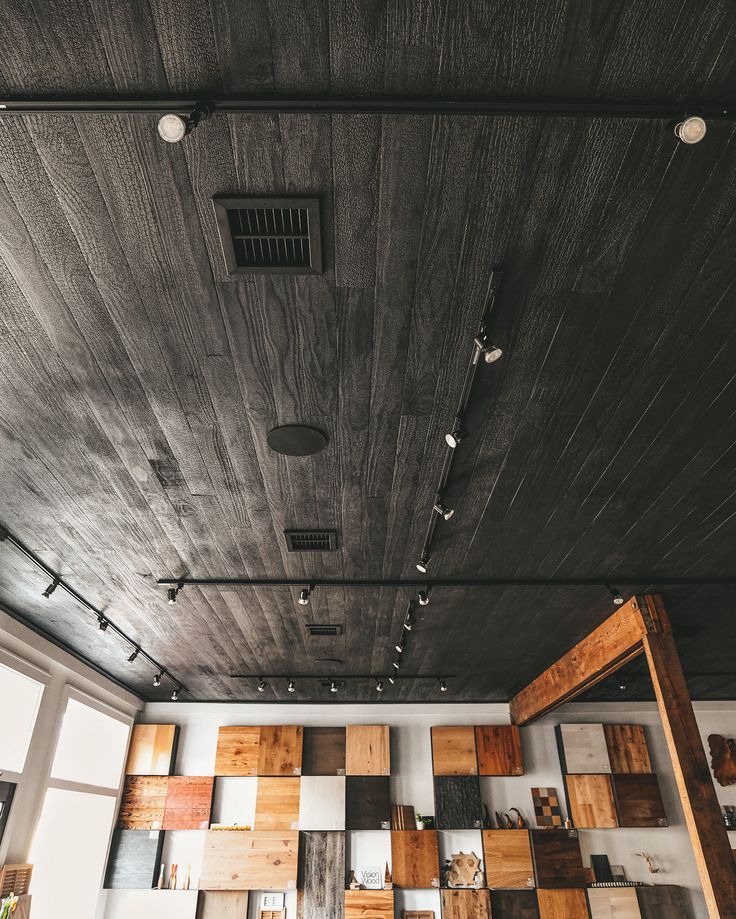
[{"x": 296, "y": 440}]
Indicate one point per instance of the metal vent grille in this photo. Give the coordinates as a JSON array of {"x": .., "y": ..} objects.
[
  {"x": 270, "y": 235},
  {"x": 311, "y": 540},
  {"x": 324, "y": 631}
]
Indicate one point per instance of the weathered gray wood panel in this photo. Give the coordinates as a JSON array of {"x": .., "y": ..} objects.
[
  {"x": 321, "y": 875},
  {"x": 135, "y": 856}
]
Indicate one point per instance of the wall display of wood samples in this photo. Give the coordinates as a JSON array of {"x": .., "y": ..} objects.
[
  {"x": 367, "y": 802},
  {"x": 222, "y": 904},
  {"x": 188, "y": 802},
  {"x": 465, "y": 904},
  {"x": 323, "y": 751},
  {"x": 367, "y": 749},
  {"x": 369, "y": 904},
  {"x": 590, "y": 800},
  {"x": 277, "y": 803},
  {"x": 556, "y": 858},
  {"x": 238, "y": 750},
  {"x": 508, "y": 858},
  {"x": 322, "y": 802},
  {"x": 627, "y": 748},
  {"x": 638, "y": 800},
  {"x": 457, "y": 802},
  {"x": 415, "y": 859},
  {"x": 514, "y": 904},
  {"x": 135, "y": 856},
  {"x": 453, "y": 751},
  {"x": 281, "y": 750},
  {"x": 562, "y": 904},
  {"x": 583, "y": 748},
  {"x": 236, "y": 860},
  {"x": 613, "y": 903},
  {"x": 152, "y": 749},
  {"x": 499, "y": 749},
  {"x": 321, "y": 876},
  {"x": 143, "y": 802}
]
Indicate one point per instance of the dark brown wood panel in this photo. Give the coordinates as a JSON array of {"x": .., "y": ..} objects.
[
  {"x": 499, "y": 749},
  {"x": 638, "y": 800},
  {"x": 415, "y": 860},
  {"x": 627, "y": 748},
  {"x": 557, "y": 859},
  {"x": 367, "y": 802},
  {"x": 323, "y": 751},
  {"x": 514, "y": 904}
]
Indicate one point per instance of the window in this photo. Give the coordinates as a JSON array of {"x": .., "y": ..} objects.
[
  {"x": 20, "y": 696},
  {"x": 91, "y": 747}
]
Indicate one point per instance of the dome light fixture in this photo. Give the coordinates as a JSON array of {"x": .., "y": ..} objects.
[
  {"x": 397, "y": 663},
  {"x": 409, "y": 622},
  {"x": 691, "y": 130},
  {"x": 173, "y": 128},
  {"x": 622, "y": 685}
]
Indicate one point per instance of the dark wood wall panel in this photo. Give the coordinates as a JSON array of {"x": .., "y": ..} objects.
[
  {"x": 514, "y": 904},
  {"x": 557, "y": 859},
  {"x": 134, "y": 859},
  {"x": 638, "y": 800},
  {"x": 457, "y": 802},
  {"x": 662, "y": 900},
  {"x": 321, "y": 875},
  {"x": 627, "y": 748},
  {"x": 323, "y": 751},
  {"x": 367, "y": 802}
]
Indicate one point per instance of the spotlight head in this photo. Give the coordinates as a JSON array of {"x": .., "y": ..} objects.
[
  {"x": 443, "y": 686},
  {"x": 491, "y": 352},
  {"x": 400, "y": 646},
  {"x": 290, "y": 687},
  {"x": 455, "y": 437},
  {"x": 423, "y": 597},
  {"x": 379, "y": 685},
  {"x": 692, "y": 130},
  {"x": 445, "y": 512},
  {"x": 157, "y": 680},
  {"x": 333, "y": 686},
  {"x": 424, "y": 561},
  {"x": 622, "y": 685},
  {"x": 304, "y": 596},
  {"x": 102, "y": 624},
  {"x": 51, "y": 588},
  {"x": 133, "y": 655},
  {"x": 392, "y": 680},
  {"x": 175, "y": 695},
  {"x": 171, "y": 595},
  {"x": 397, "y": 663},
  {"x": 615, "y": 593},
  {"x": 261, "y": 687},
  {"x": 409, "y": 623},
  {"x": 172, "y": 128}
]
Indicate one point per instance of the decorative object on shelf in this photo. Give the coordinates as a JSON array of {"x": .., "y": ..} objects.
[
  {"x": 188, "y": 878},
  {"x": 417, "y": 914},
  {"x": 463, "y": 870},
  {"x": 520, "y": 822},
  {"x": 649, "y": 863},
  {"x": 722, "y": 759},
  {"x": 272, "y": 901},
  {"x": 161, "y": 879},
  {"x": 403, "y": 818},
  {"x": 172, "y": 876},
  {"x": 8, "y": 905},
  {"x": 388, "y": 883},
  {"x": 353, "y": 883},
  {"x": 546, "y": 807},
  {"x": 601, "y": 868},
  {"x": 618, "y": 872},
  {"x": 501, "y": 821},
  {"x": 371, "y": 878}
]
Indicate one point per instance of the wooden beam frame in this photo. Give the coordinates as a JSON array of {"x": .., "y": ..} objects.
[{"x": 642, "y": 626}]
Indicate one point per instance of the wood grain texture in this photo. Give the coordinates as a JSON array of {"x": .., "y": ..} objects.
[
  {"x": 277, "y": 803},
  {"x": 322, "y": 802},
  {"x": 280, "y": 750},
  {"x": 557, "y": 859},
  {"x": 499, "y": 749},
  {"x": 627, "y": 748},
  {"x": 152, "y": 749},
  {"x": 369, "y": 904},
  {"x": 368, "y": 749},
  {"x": 508, "y": 858},
  {"x": 514, "y": 904},
  {"x": 143, "y": 802},
  {"x": 583, "y": 748},
  {"x": 222, "y": 904},
  {"x": 134, "y": 859},
  {"x": 562, "y": 904},
  {"x": 236, "y": 860},
  {"x": 638, "y": 800},
  {"x": 614, "y": 904},
  {"x": 453, "y": 751},
  {"x": 367, "y": 802},
  {"x": 238, "y": 750},
  {"x": 321, "y": 876},
  {"x": 188, "y": 802},
  {"x": 662, "y": 900},
  {"x": 465, "y": 904},
  {"x": 590, "y": 801},
  {"x": 415, "y": 859},
  {"x": 457, "y": 802},
  {"x": 323, "y": 751}
]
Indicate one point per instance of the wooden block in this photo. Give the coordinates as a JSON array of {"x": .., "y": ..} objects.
[
  {"x": 627, "y": 748},
  {"x": 152, "y": 749},
  {"x": 322, "y": 802},
  {"x": 514, "y": 904},
  {"x": 367, "y": 802},
  {"x": 369, "y": 904},
  {"x": 403, "y": 817},
  {"x": 546, "y": 807},
  {"x": 613, "y": 903},
  {"x": 499, "y": 749},
  {"x": 415, "y": 859},
  {"x": 562, "y": 904},
  {"x": 238, "y": 750},
  {"x": 236, "y": 860},
  {"x": 222, "y": 904},
  {"x": 188, "y": 802},
  {"x": 638, "y": 800},
  {"x": 457, "y": 802},
  {"x": 453, "y": 751},
  {"x": 367, "y": 749},
  {"x": 557, "y": 859},
  {"x": 281, "y": 750},
  {"x": 321, "y": 876},
  {"x": 277, "y": 803},
  {"x": 134, "y": 859},
  {"x": 465, "y": 904},
  {"x": 323, "y": 751},
  {"x": 583, "y": 748},
  {"x": 661, "y": 901},
  {"x": 508, "y": 857},
  {"x": 590, "y": 801},
  {"x": 143, "y": 802}
]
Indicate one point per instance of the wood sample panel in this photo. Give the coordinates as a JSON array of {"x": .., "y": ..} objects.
[
  {"x": 638, "y": 800},
  {"x": 135, "y": 856},
  {"x": 369, "y": 904},
  {"x": 323, "y": 751},
  {"x": 457, "y": 802},
  {"x": 143, "y": 802},
  {"x": 367, "y": 802},
  {"x": 415, "y": 859},
  {"x": 321, "y": 876},
  {"x": 465, "y": 904},
  {"x": 662, "y": 901},
  {"x": 583, "y": 748},
  {"x": 562, "y": 904},
  {"x": 281, "y": 750},
  {"x": 514, "y": 904},
  {"x": 222, "y": 904},
  {"x": 508, "y": 858},
  {"x": 239, "y": 860},
  {"x": 453, "y": 751},
  {"x": 188, "y": 802},
  {"x": 627, "y": 748},
  {"x": 322, "y": 802},
  {"x": 613, "y": 903},
  {"x": 590, "y": 801},
  {"x": 152, "y": 749},
  {"x": 557, "y": 859},
  {"x": 367, "y": 749},
  {"x": 277, "y": 803},
  {"x": 499, "y": 749},
  {"x": 238, "y": 750}
]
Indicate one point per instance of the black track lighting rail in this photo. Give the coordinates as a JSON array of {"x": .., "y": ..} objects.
[
  {"x": 662, "y": 110},
  {"x": 326, "y": 677},
  {"x": 652, "y": 581}
]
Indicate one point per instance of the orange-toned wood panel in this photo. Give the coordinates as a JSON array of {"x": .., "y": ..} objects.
[
  {"x": 188, "y": 802},
  {"x": 499, "y": 749},
  {"x": 508, "y": 857},
  {"x": 369, "y": 904},
  {"x": 281, "y": 750},
  {"x": 151, "y": 749},
  {"x": 415, "y": 858},
  {"x": 238, "y": 860},
  {"x": 591, "y": 800},
  {"x": 143, "y": 802},
  {"x": 367, "y": 749},
  {"x": 277, "y": 803},
  {"x": 627, "y": 748},
  {"x": 567, "y": 903},
  {"x": 238, "y": 749},
  {"x": 466, "y": 904},
  {"x": 453, "y": 751}
]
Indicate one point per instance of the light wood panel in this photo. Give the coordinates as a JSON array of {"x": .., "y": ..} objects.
[
  {"x": 151, "y": 750},
  {"x": 415, "y": 858},
  {"x": 322, "y": 802},
  {"x": 627, "y": 748},
  {"x": 222, "y": 904},
  {"x": 508, "y": 858},
  {"x": 368, "y": 802},
  {"x": 368, "y": 750},
  {"x": 143, "y": 802},
  {"x": 281, "y": 750},
  {"x": 188, "y": 802},
  {"x": 238, "y": 750},
  {"x": 465, "y": 904},
  {"x": 583, "y": 748},
  {"x": 323, "y": 751},
  {"x": 609, "y": 903},
  {"x": 277, "y": 803},
  {"x": 454, "y": 751},
  {"x": 499, "y": 749},
  {"x": 557, "y": 859},
  {"x": 590, "y": 801},
  {"x": 369, "y": 904},
  {"x": 638, "y": 800},
  {"x": 321, "y": 876},
  {"x": 238, "y": 860},
  {"x": 562, "y": 904}
]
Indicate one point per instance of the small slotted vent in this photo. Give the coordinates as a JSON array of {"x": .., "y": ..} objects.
[
  {"x": 311, "y": 540},
  {"x": 270, "y": 235},
  {"x": 324, "y": 631}
]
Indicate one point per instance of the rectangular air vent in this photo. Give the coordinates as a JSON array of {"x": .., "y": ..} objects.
[
  {"x": 311, "y": 540},
  {"x": 324, "y": 631},
  {"x": 270, "y": 235}
]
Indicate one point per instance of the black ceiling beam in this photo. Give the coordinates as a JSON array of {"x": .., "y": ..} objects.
[
  {"x": 419, "y": 583},
  {"x": 663, "y": 110}
]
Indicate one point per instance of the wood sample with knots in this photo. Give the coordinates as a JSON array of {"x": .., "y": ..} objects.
[
  {"x": 570, "y": 903},
  {"x": 465, "y": 904},
  {"x": 453, "y": 751},
  {"x": 722, "y": 759},
  {"x": 499, "y": 749}
]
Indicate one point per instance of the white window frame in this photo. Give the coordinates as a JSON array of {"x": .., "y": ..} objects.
[{"x": 13, "y": 662}]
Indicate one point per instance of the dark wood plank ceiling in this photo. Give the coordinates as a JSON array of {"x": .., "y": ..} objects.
[{"x": 139, "y": 381}]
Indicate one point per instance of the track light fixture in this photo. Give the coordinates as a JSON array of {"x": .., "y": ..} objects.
[
  {"x": 379, "y": 685},
  {"x": 691, "y": 130},
  {"x": 444, "y": 512},
  {"x": 305, "y": 595},
  {"x": 261, "y": 687},
  {"x": 175, "y": 695},
  {"x": 397, "y": 663},
  {"x": 409, "y": 622},
  {"x": 157, "y": 679},
  {"x": 615, "y": 593},
  {"x": 424, "y": 561},
  {"x": 400, "y": 646},
  {"x": 134, "y": 655},
  {"x": 333, "y": 686},
  {"x": 51, "y": 588},
  {"x": 102, "y": 624},
  {"x": 173, "y": 592},
  {"x": 443, "y": 686},
  {"x": 173, "y": 128},
  {"x": 491, "y": 353},
  {"x": 622, "y": 685},
  {"x": 392, "y": 680},
  {"x": 290, "y": 687},
  {"x": 455, "y": 437},
  {"x": 423, "y": 597}
]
